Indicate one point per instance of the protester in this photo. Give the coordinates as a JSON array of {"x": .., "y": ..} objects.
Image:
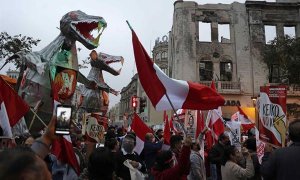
[
  {"x": 101, "y": 165},
  {"x": 159, "y": 133},
  {"x": 250, "y": 144},
  {"x": 176, "y": 145},
  {"x": 216, "y": 156},
  {"x": 113, "y": 146},
  {"x": 165, "y": 166},
  {"x": 127, "y": 153},
  {"x": 231, "y": 170},
  {"x": 197, "y": 170},
  {"x": 283, "y": 163},
  {"x": 151, "y": 149},
  {"x": 22, "y": 163}
]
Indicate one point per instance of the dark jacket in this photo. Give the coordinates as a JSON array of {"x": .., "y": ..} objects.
[
  {"x": 282, "y": 164},
  {"x": 176, "y": 172},
  {"x": 216, "y": 154},
  {"x": 123, "y": 171},
  {"x": 150, "y": 151}
]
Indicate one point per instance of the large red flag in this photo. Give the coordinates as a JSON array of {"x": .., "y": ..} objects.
[
  {"x": 182, "y": 94},
  {"x": 140, "y": 129},
  {"x": 12, "y": 108}
]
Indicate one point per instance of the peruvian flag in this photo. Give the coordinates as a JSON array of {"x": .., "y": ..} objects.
[
  {"x": 140, "y": 129},
  {"x": 12, "y": 108},
  {"x": 215, "y": 122},
  {"x": 62, "y": 148},
  {"x": 241, "y": 117},
  {"x": 182, "y": 94}
]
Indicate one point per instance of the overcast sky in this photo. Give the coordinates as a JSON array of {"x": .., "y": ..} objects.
[{"x": 149, "y": 18}]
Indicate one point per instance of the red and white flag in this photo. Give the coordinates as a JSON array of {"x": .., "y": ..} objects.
[
  {"x": 12, "y": 108},
  {"x": 241, "y": 117},
  {"x": 62, "y": 148},
  {"x": 215, "y": 122},
  {"x": 140, "y": 129},
  {"x": 182, "y": 94}
]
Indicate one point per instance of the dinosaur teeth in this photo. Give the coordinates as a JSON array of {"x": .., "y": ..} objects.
[
  {"x": 122, "y": 61},
  {"x": 96, "y": 40},
  {"x": 99, "y": 27}
]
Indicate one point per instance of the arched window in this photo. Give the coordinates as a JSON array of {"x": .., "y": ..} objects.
[
  {"x": 226, "y": 70},
  {"x": 206, "y": 70},
  {"x": 157, "y": 57},
  {"x": 164, "y": 55}
]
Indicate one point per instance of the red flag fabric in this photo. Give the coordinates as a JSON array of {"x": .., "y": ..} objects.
[
  {"x": 12, "y": 108},
  {"x": 182, "y": 94},
  {"x": 200, "y": 123},
  {"x": 64, "y": 152},
  {"x": 164, "y": 118},
  {"x": 63, "y": 148},
  {"x": 167, "y": 133},
  {"x": 216, "y": 123},
  {"x": 140, "y": 129}
]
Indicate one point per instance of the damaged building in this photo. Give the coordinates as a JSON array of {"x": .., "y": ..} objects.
[{"x": 234, "y": 59}]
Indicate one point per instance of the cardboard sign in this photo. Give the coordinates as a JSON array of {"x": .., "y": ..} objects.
[
  {"x": 190, "y": 123},
  {"x": 94, "y": 130},
  {"x": 272, "y": 115}
]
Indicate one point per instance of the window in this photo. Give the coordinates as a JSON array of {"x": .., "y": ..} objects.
[
  {"x": 274, "y": 74},
  {"x": 164, "y": 55},
  {"x": 204, "y": 32},
  {"x": 290, "y": 31},
  {"x": 165, "y": 70},
  {"x": 224, "y": 33},
  {"x": 206, "y": 70},
  {"x": 157, "y": 57},
  {"x": 270, "y": 33},
  {"x": 226, "y": 71}
]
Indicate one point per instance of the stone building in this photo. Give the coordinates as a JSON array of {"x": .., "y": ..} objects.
[
  {"x": 233, "y": 61},
  {"x": 125, "y": 108}
]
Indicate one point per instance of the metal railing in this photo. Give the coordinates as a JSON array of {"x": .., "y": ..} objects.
[{"x": 225, "y": 86}]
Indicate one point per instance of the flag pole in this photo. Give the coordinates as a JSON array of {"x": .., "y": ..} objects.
[
  {"x": 176, "y": 114},
  {"x": 38, "y": 117},
  {"x": 166, "y": 93}
]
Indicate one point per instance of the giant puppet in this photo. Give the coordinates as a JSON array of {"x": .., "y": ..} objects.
[
  {"x": 55, "y": 67},
  {"x": 95, "y": 100}
]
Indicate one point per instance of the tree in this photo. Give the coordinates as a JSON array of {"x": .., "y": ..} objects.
[
  {"x": 282, "y": 57},
  {"x": 9, "y": 45}
]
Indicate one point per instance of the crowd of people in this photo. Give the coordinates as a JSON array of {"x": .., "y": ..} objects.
[{"x": 116, "y": 159}]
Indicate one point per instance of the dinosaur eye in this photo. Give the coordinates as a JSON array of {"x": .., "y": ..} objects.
[{"x": 73, "y": 15}]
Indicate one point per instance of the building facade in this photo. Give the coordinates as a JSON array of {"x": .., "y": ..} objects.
[{"x": 233, "y": 60}]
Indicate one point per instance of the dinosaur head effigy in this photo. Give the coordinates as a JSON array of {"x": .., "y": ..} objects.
[
  {"x": 103, "y": 61},
  {"x": 79, "y": 26}
]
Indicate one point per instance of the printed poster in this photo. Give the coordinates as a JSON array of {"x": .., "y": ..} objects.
[{"x": 272, "y": 115}]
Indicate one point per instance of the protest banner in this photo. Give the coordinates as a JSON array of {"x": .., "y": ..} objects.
[{"x": 272, "y": 115}]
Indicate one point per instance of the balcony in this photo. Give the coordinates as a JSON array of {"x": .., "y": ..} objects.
[{"x": 225, "y": 87}]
